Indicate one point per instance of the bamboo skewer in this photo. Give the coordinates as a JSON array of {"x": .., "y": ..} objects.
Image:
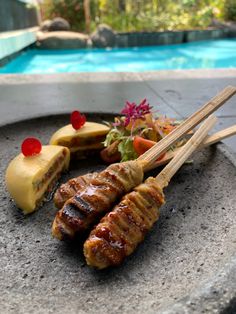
[
  {"x": 62, "y": 226},
  {"x": 137, "y": 211},
  {"x": 218, "y": 136},
  {"x": 173, "y": 166},
  {"x": 209, "y": 140},
  {"x": 153, "y": 153}
]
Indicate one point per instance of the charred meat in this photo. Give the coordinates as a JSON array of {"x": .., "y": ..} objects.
[
  {"x": 121, "y": 230},
  {"x": 88, "y": 205},
  {"x": 69, "y": 189}
]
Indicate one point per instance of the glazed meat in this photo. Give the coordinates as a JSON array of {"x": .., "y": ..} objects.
[
  {"x": 121, "y": 230},
  {"x": 69, "y": 189},
  {"x": 88, "y": 205}
]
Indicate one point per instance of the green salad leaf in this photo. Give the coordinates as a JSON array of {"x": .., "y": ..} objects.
[
  {"x": 126, "y": 149},
  {"x": 136, "y": 120}
]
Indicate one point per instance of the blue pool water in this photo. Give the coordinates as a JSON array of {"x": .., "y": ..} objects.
[{"x": 197, "y": 55}]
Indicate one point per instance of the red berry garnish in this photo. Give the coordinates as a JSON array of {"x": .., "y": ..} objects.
[
  {"x": 31, "y": 146},
  {"x": 77, "y": 120},
  {"x": 82, "y": 119}
]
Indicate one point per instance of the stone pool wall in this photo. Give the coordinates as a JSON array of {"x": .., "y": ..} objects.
[
  {"x": 167, "y": 38},
  {"x": 11, "y": 43},
  {"x": 18, "y": 27},
  {"x": 15, "y": 14},
  {"x": 105, "y": 37}
]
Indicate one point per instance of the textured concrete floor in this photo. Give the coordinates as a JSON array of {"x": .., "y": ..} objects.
[{"x": 186, "y": 264}]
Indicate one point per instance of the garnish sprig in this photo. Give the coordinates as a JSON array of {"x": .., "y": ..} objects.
[{"x": 133, "y": 112}]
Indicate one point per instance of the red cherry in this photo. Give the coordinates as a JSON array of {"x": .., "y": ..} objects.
[
  {"x": 31, "y": 146},
  {"x": 77, "y": 120},
  {"x": 83, "y": 119}
]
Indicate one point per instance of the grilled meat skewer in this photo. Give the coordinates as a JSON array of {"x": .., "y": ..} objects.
[
  {"x": 89, "y": 204},
  {"x": 121, "y": 230},
  {"x": 69, "y": 189},
  {"x": 85, "y": 208},
  {"x": 72, "y": 186}
]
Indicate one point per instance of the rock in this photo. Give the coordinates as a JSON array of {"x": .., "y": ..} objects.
[
  {"x": 61, "y": 40},
  {"x": 59, "y": 24},
  {"x": 230, "y": 25},
  {"x": 216, "y": 23},
  {"x": 103, "y": 37},
  {"x": 44, "y": 27}
]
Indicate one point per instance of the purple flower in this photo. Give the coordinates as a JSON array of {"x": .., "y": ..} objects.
[{"x": 133, "y": 112}]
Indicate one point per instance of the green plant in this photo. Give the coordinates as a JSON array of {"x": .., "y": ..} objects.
[
  {"x": 71, "y": 10},
  {"x": 230, "y": 10},
  {"x": 142, "y": 15}
]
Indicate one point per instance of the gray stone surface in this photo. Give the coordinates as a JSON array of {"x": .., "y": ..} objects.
[
  {"x": 174, "y": 93},
  {"x": 138, "y": 39},
  {"x": 185, "y": 265},
  {"x": 61, "y": 40},
  {"x": 59, "y": 24},
  {"x": 224, "y": 123},
  {"x": 193, "y": 240},
  {"x": 196, "y": 35},
  {"x": 187, "y": 93},
  {"x": 103, "y": 37},
  {"x": 14, "y": 41},
  {"x": 15, "y": 15},
  {"x": 44, "y": 26},
  {"x": 214, "y": 296}
]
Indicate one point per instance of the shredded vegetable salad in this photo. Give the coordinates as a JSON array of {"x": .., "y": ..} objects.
[{"x": 135, "y": 131}]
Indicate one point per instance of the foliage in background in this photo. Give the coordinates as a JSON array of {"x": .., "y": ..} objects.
[
  {"x": 71, "y": 10},
  {"x": 159, "y": 14},
  {"x": 142, "y": 15},
  {"x": 230, "y": 10}
]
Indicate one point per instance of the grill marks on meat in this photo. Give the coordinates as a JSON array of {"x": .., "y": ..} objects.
[
  {"x": 69, "y": 189},
  {"x": 120, "y": 231},
  {"x": 88, "y": 205}
]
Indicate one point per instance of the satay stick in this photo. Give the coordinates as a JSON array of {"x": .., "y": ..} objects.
[
  {"x": 153, "y": 153},
  {"x": 183, "y": 154},
  {"x": 138, "y": 211},
  {"x": 209, "y": 140}
]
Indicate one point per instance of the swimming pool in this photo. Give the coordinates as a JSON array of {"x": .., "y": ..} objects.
[{"x": 197, "y": 55}]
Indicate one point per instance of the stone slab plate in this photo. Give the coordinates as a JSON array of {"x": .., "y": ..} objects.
[{"x": 185, "y": 265}]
